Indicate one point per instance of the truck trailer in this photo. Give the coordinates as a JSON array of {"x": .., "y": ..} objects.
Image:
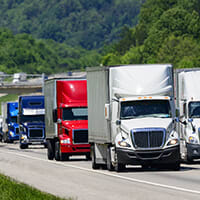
[
  {"x": 66, "y": 118},
  {"x": 131, "y": 117},
  {"x": 10, "y": 127},
  {"x": 31, "y": 120},
  {"x": 188, "y": 102}
]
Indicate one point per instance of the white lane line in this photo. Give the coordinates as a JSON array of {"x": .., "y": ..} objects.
[{"x": 107, "y": 174}]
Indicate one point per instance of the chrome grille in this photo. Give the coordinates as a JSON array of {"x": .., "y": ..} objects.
[
  {"x": 80, "y": 136},
  {"x": 148, "y": 137}
]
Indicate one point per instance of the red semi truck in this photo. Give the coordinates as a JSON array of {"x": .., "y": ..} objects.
[{"x": 66, "y": 118}]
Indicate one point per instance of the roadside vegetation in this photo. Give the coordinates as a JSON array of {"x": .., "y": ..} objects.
[{"x": 12, "y": 190}]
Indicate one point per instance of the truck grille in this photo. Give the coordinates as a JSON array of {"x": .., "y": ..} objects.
[
  {"x": 80, "y": 136},
  {"x": 148, "y": 137},
  {"x": 36, "y": 133}
]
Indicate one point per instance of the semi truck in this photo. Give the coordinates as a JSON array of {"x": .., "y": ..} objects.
[
  {"x": 188, "y": 102},
  {"x": 31, "y": 121},
  {"x": 132, "y": 117},
  {"x": 10, "y": 127},
  {"x": 66, "y": 118}
]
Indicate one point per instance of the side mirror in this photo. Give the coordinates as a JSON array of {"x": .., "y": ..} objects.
[
  {"x": 55, "y": 115},
  {"x": 118, "y": 122},
  {"x": 190, "y": 120}
]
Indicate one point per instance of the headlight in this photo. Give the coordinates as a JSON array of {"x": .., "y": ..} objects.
[
  {"x": 124, "y": 144},
  {"x": 193, "y": 140},
  {"x": 65, "y": 141},
  {"x": 172, "y": 142},
  {"x": 23, "y": 137},
  {"x": 11, "y": 134}
]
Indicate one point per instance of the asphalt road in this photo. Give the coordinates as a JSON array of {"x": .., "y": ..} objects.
[{"x": 75, "y": 178}]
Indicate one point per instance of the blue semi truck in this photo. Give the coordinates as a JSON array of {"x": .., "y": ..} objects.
[
  {"x": 10, "y": 127},
  {"x": 31, "y": 121}
]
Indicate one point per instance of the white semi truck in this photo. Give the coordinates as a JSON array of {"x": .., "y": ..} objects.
[
  {"x": 131, "y": 116},
  {"x": 188, "y": 102}
]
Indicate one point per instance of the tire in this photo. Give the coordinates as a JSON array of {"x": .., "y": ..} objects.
[
  {"x": 23, "y": 146},
  {"x": 57, "y": 151},
  {"x": 58, "y": 155},
  {"x": 88, "y": 156},
  {"x": 94, "y": 164},
  {"x": 119, "y": 167},
  {"x": 109, "y": 164},
  {"x": 50, "y": 150}
]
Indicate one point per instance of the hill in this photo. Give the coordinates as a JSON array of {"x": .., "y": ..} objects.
[
  {"x": 86, "y": 23},
  {"x": 168, "y": 32}
]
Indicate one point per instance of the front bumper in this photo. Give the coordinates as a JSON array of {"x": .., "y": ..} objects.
[
  {"x": 193, "y": 151},
  {"x": 73, "y": 149},
  {"x": 139, "y": 157},
  {"x": 33, "y": 141}
]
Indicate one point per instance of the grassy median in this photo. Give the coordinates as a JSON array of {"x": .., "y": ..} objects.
[{"x": 12, "y": 190}]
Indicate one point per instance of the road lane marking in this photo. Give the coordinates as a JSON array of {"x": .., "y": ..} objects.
[{"x": 107, "y": 174}]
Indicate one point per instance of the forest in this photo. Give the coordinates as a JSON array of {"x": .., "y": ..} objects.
[
  {"x": 167, "y": 32},
  {"x": 86, "y": 23},
  {"x": 57, "y": 36}
]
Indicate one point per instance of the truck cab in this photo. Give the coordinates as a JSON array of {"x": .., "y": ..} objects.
[
  {"x": 188, "y": 99},
  {"x": 10, "y": 126},
  {"x": 31, "y": 121},
  {"x": 66, "y": 118}
]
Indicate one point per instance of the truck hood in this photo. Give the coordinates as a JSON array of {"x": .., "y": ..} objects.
[
  {"x": 149, "y": 122},
  {"x": 79, "y": 124}
]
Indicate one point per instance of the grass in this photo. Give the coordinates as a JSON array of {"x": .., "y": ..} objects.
[
  {"x": 12, "y": 190},
  {"x": 9, "y": 97}
]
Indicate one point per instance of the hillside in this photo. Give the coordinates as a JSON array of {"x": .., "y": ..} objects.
[
  {"x": 22, "y": 52},
  {"x": 168, "y": 32},
  {"x": 86, "y": 23}
]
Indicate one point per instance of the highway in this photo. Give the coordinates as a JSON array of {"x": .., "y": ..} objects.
[{"x": 76, "y": 178}]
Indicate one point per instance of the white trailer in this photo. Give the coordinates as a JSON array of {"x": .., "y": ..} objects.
[
  {"x": 188, "y": 102},
  {"x": 131, "y": 116}
]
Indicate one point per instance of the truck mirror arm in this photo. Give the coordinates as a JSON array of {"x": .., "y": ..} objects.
[{"x": 193, "y": 127}]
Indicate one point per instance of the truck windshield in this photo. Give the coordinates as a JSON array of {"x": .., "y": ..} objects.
[
  {"x": 75, "y": 113},
  {"x": 32, "y": 118},
  {"x": 13, "y": 119},
  {"x": 145, "y": 108},
  {"x": 194, "y": 109}
]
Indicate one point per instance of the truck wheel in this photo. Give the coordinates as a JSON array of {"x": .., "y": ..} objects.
[
  {"x": 23, "y": 146},
  {"x": 88, "y": 156},
  {"x": 109, "y": 164},
  {"x": 50, "y": 152},
  {"x": 119, "y": 167},
  {"x": 94, "y": 164},
  {"x": 57, "y": 151}
]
